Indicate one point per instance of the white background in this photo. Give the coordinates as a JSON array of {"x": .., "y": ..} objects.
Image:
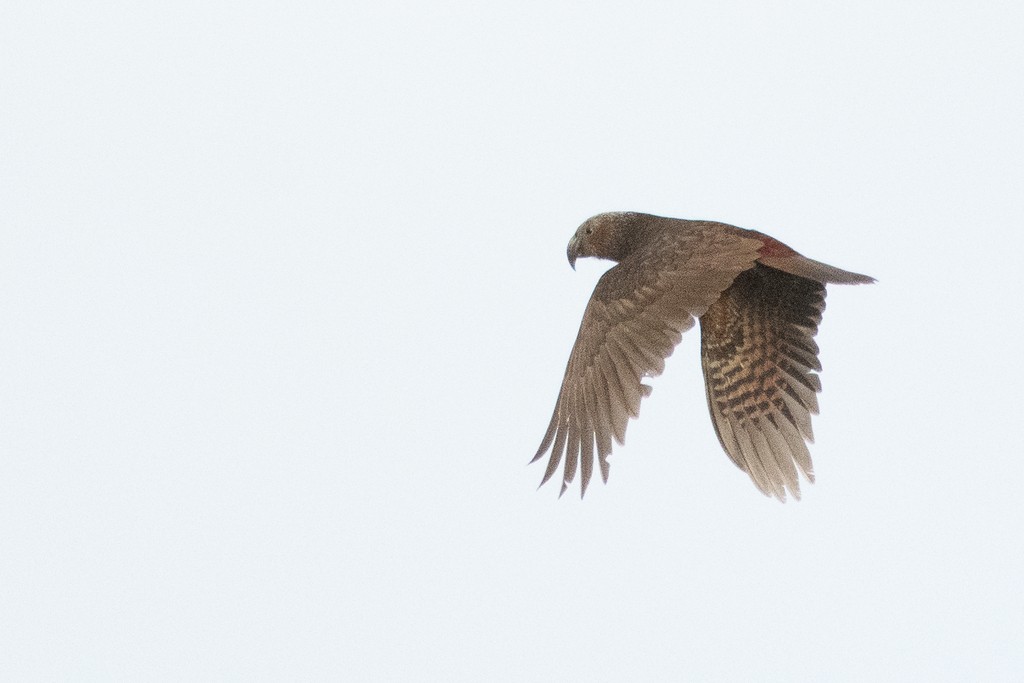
[{"x": 285, "y": 307}]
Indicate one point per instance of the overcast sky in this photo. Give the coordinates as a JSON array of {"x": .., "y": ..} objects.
[{"x": 285, "y": 307}]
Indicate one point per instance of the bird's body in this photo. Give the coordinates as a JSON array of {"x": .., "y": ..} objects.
[{"x": 759, "y": 303}]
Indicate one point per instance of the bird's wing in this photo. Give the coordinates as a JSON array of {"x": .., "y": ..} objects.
[
  {"x": 634, "y": 319},
  {"x": 760, "y": 361}
]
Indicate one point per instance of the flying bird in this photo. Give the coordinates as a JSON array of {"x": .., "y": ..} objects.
[{"x": 759, "y": 303}]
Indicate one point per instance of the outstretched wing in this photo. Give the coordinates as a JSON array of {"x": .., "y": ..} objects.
[
  {"x": 760, "y": 362},
  {"x": 634, "y": 319}
]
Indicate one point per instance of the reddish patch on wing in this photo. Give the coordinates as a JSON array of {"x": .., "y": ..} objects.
[{"x": 772, "y": 248}]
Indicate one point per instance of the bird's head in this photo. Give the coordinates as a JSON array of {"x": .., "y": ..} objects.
[{"x": 606, "y": 235}]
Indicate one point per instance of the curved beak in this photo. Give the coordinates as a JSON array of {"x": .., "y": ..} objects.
[{"x": 571, "y": 252}]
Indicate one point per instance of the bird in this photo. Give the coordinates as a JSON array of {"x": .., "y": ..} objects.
[{"x": 759, "y": 304}]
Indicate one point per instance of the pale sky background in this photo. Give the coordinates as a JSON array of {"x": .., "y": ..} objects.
[{"x": 285, "y": 308}]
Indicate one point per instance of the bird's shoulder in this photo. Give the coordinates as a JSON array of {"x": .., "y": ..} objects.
[{"x": 670, "y": 251}]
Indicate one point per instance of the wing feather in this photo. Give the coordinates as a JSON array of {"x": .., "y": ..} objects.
[
  {"x": 635, "y": 318},
  {"x": 760, "y": 363}
]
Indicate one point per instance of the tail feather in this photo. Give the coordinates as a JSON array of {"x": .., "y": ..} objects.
[{"x": 815, "y": 270}]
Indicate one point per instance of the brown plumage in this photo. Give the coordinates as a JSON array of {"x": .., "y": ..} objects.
[{"x": 759, "y": 304}]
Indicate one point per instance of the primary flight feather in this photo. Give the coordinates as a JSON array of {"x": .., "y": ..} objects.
[{"x": 759, "y": 304}]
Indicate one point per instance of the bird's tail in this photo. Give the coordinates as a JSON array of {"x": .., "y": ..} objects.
[{"x": 815, "y": 270}]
